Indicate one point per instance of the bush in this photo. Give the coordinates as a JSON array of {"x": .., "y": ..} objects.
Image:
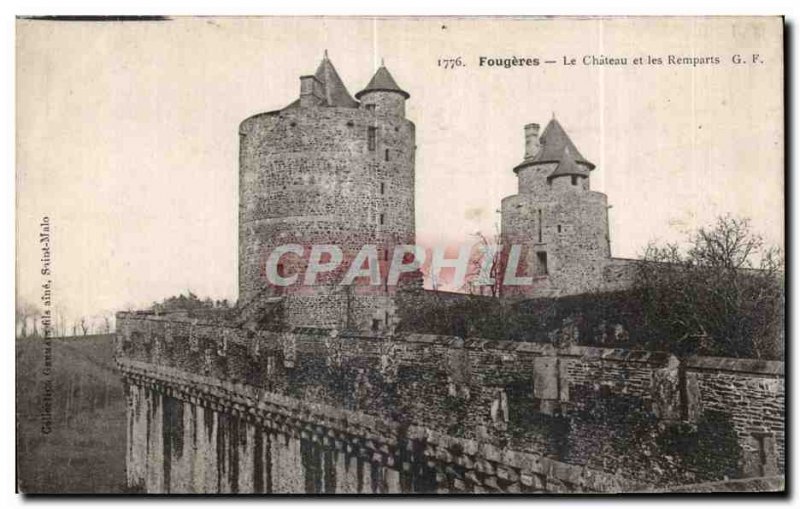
[
  {"x": 710, "y": 449},
  {"x": 714, "y": 299}
]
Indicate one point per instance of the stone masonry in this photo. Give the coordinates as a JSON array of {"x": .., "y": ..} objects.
[
  {"x": 560, "y": 223},
  {"x": 332, "y": 399},
  {"x": 466, "y": 389},
  {"x": 326, "y": 169}
]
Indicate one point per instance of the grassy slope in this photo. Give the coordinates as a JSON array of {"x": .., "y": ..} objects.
[{"x": 85, "y": 453}]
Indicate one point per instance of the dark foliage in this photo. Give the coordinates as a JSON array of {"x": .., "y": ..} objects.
[
  {"x": 468, "y": 315},
  {"x": 188, "y": 302},
  {"x": 714, "y": 298},
  {"x": 710, "y": 449},
  {"x": 674, "y": 452}
]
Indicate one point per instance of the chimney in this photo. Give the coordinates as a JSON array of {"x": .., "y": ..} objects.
[
  {"x": 531, "y": 140},
  {"x": 311, "y": 93}
]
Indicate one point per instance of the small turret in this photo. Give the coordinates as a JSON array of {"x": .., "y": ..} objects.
[
  {"x": 549, "y": 148},
  {"x": 383, "y": 95},
  {"x": 567, "y": 167},
  {"x": 561, "y": 224}
]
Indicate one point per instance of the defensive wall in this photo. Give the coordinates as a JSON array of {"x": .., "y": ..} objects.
[{"x": 215, "y": 408}]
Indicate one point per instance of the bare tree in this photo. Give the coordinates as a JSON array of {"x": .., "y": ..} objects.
[
  {"x": 84, "y": 326},
  {"x": 486, "y": 266},
  {"x": 724, "y": 295},
  {"x": 24, "y": 312},
  {"x": 59, "y": 322},
  {"x": 20, "y": 319}
]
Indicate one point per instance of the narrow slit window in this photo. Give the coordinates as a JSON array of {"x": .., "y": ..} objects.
[
  {"x": 574, "y": 180},
  {"x": 381, "y": 218},
  {"x": 383, "y": 187},
  {"x": 386, "y": 155},
  {"x": 539, "y": 213},
  {"x": 371, "y": 138},
  {"x": 541, "y": 263},
  {"x": 559, "y": 228},
  {"x": 370, "y": 107}
]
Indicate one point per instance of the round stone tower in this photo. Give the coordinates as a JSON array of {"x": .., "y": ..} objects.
[
  {"x": 560, "y": 224},
  {"x": 326, "y": 170}
]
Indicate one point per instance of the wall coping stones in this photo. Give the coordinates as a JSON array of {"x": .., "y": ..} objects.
[
  {"x": 754, "y": 366},
  {"x": 584, "y": 353},
  {"x": 753, "y": 484}
]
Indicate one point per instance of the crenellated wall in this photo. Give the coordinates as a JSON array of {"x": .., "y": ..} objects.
[{"x": 581, "y": 410}]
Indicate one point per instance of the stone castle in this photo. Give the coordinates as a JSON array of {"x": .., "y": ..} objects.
[
  {"x": 334, "y": 401},
  {"x": 560, "y": 221},
  {"x": 331, "y": 169},
  {"x": 326, "y": 169}
]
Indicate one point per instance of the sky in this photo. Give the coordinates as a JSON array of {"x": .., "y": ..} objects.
[{"x": 127, "y": 133}]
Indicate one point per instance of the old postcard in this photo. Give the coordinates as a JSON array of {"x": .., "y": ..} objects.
[{"x": 400, "y": 255}]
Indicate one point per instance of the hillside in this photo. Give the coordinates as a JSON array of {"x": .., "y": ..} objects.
[{"x": 85, "y": 450}]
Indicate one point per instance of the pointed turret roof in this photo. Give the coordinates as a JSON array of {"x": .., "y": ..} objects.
[
  {"x": 334, "y": 91},
  {"x": 568, "y": 166},
  {"x": 382, "y": 81},
  {"x": 554, "y": 141}
]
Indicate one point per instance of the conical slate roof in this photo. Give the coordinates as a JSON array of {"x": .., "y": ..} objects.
[
  {"x": 382, "y": 81},
  {"x": 554, "y": 141},
  {"x": 335, "y": 93},
  {"x": 568, "y": 166}
]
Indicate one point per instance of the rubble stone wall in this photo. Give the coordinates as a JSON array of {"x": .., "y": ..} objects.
[
  {"x": 466, "y": 389},
  {"x": 320, "y": 176}
]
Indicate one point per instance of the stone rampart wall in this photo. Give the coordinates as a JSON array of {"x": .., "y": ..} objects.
[{"x": 528, "y": 397}]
